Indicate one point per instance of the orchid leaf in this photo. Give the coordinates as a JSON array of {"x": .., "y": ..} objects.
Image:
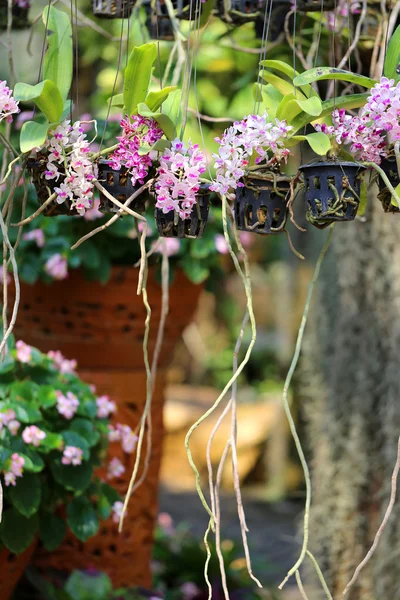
[
  {"x": 393, "y": 199},
  {"x": 57, "y": 65},
  {"x": 257, "y": 92},
  {"x": 286, "y": 69},
  {"x": 391, "y": 68},
  {"x": 346, "y": 102},
  {"x": 116, "y": 101},
  {"x": 138, "y": 75},
  {"x": 162, "y": 119},
  {"x": 283, "y": 86},
  {"x": 271, "y": 99},
  {"x": 207, "y": 8},
  {"x": 155, "y": 99},
  {"x": 319, "y": 142},
  {"x": 33, "y": 135},
  {"x": 172, "y": 106},
  {"x": 323, "y": 73},
  {"x": 311, "y": 106},
  {"x": 45, "y": 95}
]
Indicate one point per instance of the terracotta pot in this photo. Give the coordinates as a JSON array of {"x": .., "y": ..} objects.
[
  {"x": 102, "y": 327},
  {"x": 12, "y": 567}
]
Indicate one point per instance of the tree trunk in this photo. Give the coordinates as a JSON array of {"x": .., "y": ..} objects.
[{"x": 350, "y": 380}]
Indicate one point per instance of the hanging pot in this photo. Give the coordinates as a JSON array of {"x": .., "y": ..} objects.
[
  {"x": 19, "y": 14},
  {"x": 332, "y": 191},
  {"x": 119, "y": 184},
  {"x": 113, "y": 9},
  {"x": 238, "y": 12},
  {"x": 171, "y": 225},
  {"x": 45, "y": 188},
  {"x": 261, "y": 206},
  {"x": 389, "y": 166},
  {"x": 275, "y": 27},
  {"x": 158, "y": 23},
  {"x": 315, "y": 5}
]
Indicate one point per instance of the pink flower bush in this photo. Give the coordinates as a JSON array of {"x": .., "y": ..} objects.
[
  {"x": 15, "y": 469},
  {"x": 35, "y": 235},
  {"x": 8, "y": 106},
  {"x": 190, "y": 590},
  {"x": 172, "y": 246},
  {"x": 7, "y": 419},
  {"x": 117, "y": 511},
  {"x": 255, "y": 137},
  {"x": 69, "y": 164},
  {"x": 72, "y": 456},
  {"x": 24, "y": 352},
  {"x": 115, "y": 469},
  {"x": 178, "y": 178},
  {"x": 61, "y": 363},
  {"x": 105, "y": 407},
  {"x": 33, "y": 435},
  {"x": 136, "y": 132},
  {"x": 57, "y": 267},
  {"x": 123, "y": 434},
  {"x": 67, "y": 405}
]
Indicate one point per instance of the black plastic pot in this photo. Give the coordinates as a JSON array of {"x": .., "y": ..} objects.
[
  {"x": 45, "y": 188},
  {"x": 171, "y": 225},
  {"x": 260, "y": 207},
  {"x": 158, "y": 23},
  {"x": 332, "y": 191},
  {"x": 315, "y": 5},
  {"x": 389, "y": 166},
  {"x": 119, "y": 185},
  {"x": 238, "y": 12},
  {"x": 113, "y": 9},
  {"x": 20, "y": 16}
]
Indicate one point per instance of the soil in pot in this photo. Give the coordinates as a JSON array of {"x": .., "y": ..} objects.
[
  {"x": 45, "y": 188},
  {"x": 332, "y": 191},
  {"x": 19, "y": 14},
  {"x": 389, "y": 166},
  {"x": 261, "y": 205},
  {"x": 113, "y": 9},
  {"x": 118, "y": 183},
  {"x": 171, "y": 225},
  {"x": 238, "y": 12}
]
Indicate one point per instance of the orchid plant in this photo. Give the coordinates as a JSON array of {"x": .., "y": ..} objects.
[{"x": 54, "y": 432}]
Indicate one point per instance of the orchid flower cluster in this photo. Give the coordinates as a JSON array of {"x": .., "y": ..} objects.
[
  {"x": 69, "y": 165},
  {"x": 383, "y": 108},
  {"x": 255, "y": 136},
  {"x": 179, "y": 177},
  {"x": 8, "y": 106},
  {"x": 137, "y": 132}
]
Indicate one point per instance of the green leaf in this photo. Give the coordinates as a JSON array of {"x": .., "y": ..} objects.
[
  {"x": 286, "y": 69},
  {"x": 16, "y": 531},
  {"x": 207, "y": 8},
  {"x": 57, "y": 65},
  {"x": 52, "y": 441},
  {"x": 155, "y": 99},
  {"x": 72, "y": 438},
  {"x": 117, "y": 101},
  {"x": 52, "y": 530},
  {"x": 33, "y": 135},
  {"x": 73, "y": 478},
  {"x": 137, "y": 76},
  {"x": 162, "y": 119},
  {"x": 271, "y": 98},
  {"x": 363, "y": 198},
  {"x": 172, "y": 106},
  {"x": 346, "y": 102},
  {"x": 323, "y": 73},
  {"x": 319, "y": 142},
  {"x": 7, "y": 364},
  {"x": 33, "y": 461},
  {"x": 82, "y": 518},
  {"x": 86, "y": 429},
  {"x": 88, "y": 587},
  {"x": 393, "y": 199},
  {"x": 26, "y": 413},
  {"x": 283, "y": 86},
  {"x": 257, "y": 92},
  {"x": 45, "y": 95},
  {"x": 311, "y": 106},
  {"x": 47, "y": 396},
  {"x": 26, "y": 494},
  {"x": 110, "y": 493},
  {"x": 103, "y": 507},
  {"x": 23, "y": 391},
  {"x": 392, "y": 58}
]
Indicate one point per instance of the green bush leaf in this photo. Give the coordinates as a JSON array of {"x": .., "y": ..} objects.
[
  {"x": 323, "y": 73},
  {"x": 57, "y": 65},
  {"x": 52, "y": 441},
  {"x": 86, "y": 429},
  {"x": 33, "y": 135},
  {"x": 88, "y": 587},
  {"x": 45, "y": 95},
  {"x": 72, "y": 438},
  {"x": 82, "y": 518},
  {"x": 26, "y": 413},
  {"x": 73, "y": 478},
  {"x": 392, "y": 58},
  {"x": 16, "y": 531},
  {"x": 23, "y": 391},
  {"x": 52, "y": 530},
  {"x": 7, "y": 364},
  {"x": 33, "y": 460},
  {"x": 47, "y": 396},
  {"x": 26, "y": 494},
  {"x": 137, "y": 76}
]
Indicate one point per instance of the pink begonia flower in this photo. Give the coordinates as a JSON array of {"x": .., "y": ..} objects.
[
  {"x": 72, "y": 456},
  {"x": 35, "y": 235},
  {"x": 128, "y": 438},
  {"x": 166, "y": 523},
  {"x": 24, "y": 352},
  {"x": 115, "y": 469},
  {"x": 61, "y": 363},
  {"x": 117, "y": 510},
  {"x": 189, "y": 590},
  {"x": 220, "y": 244},
  {"x": 13, "y": 426},
  {"x": 57, "y": 267},
  {"x": 6, "y": 417},
  {"x": 8, "y": 106},
  {"x": 105, "y": 407},
  {"x": 172, "y": 246},
  {"x": 114, "y": 434},
  {"x": 33, "y": 435},
  {"x": 67, "y": 405},
  {"x": 15, "y": 469}
]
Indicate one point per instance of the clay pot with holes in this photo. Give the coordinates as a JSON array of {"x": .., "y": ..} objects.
[
  {"x": 12, "y": 567},
  {"x": 238, "y": 12},
  {"x": 260, "y": 206},
  {"x": 19, "y": 16},
  {"x": 45, "y": 188},
  {"x": 171, "y": 225},
  {"x": 389, "y": 166},
  {"x": 113, "y": 9},
  {"x": 119, "y": 185},
  {"x": 332, "y": 191},
  {"x": 102, "y": 327}
]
